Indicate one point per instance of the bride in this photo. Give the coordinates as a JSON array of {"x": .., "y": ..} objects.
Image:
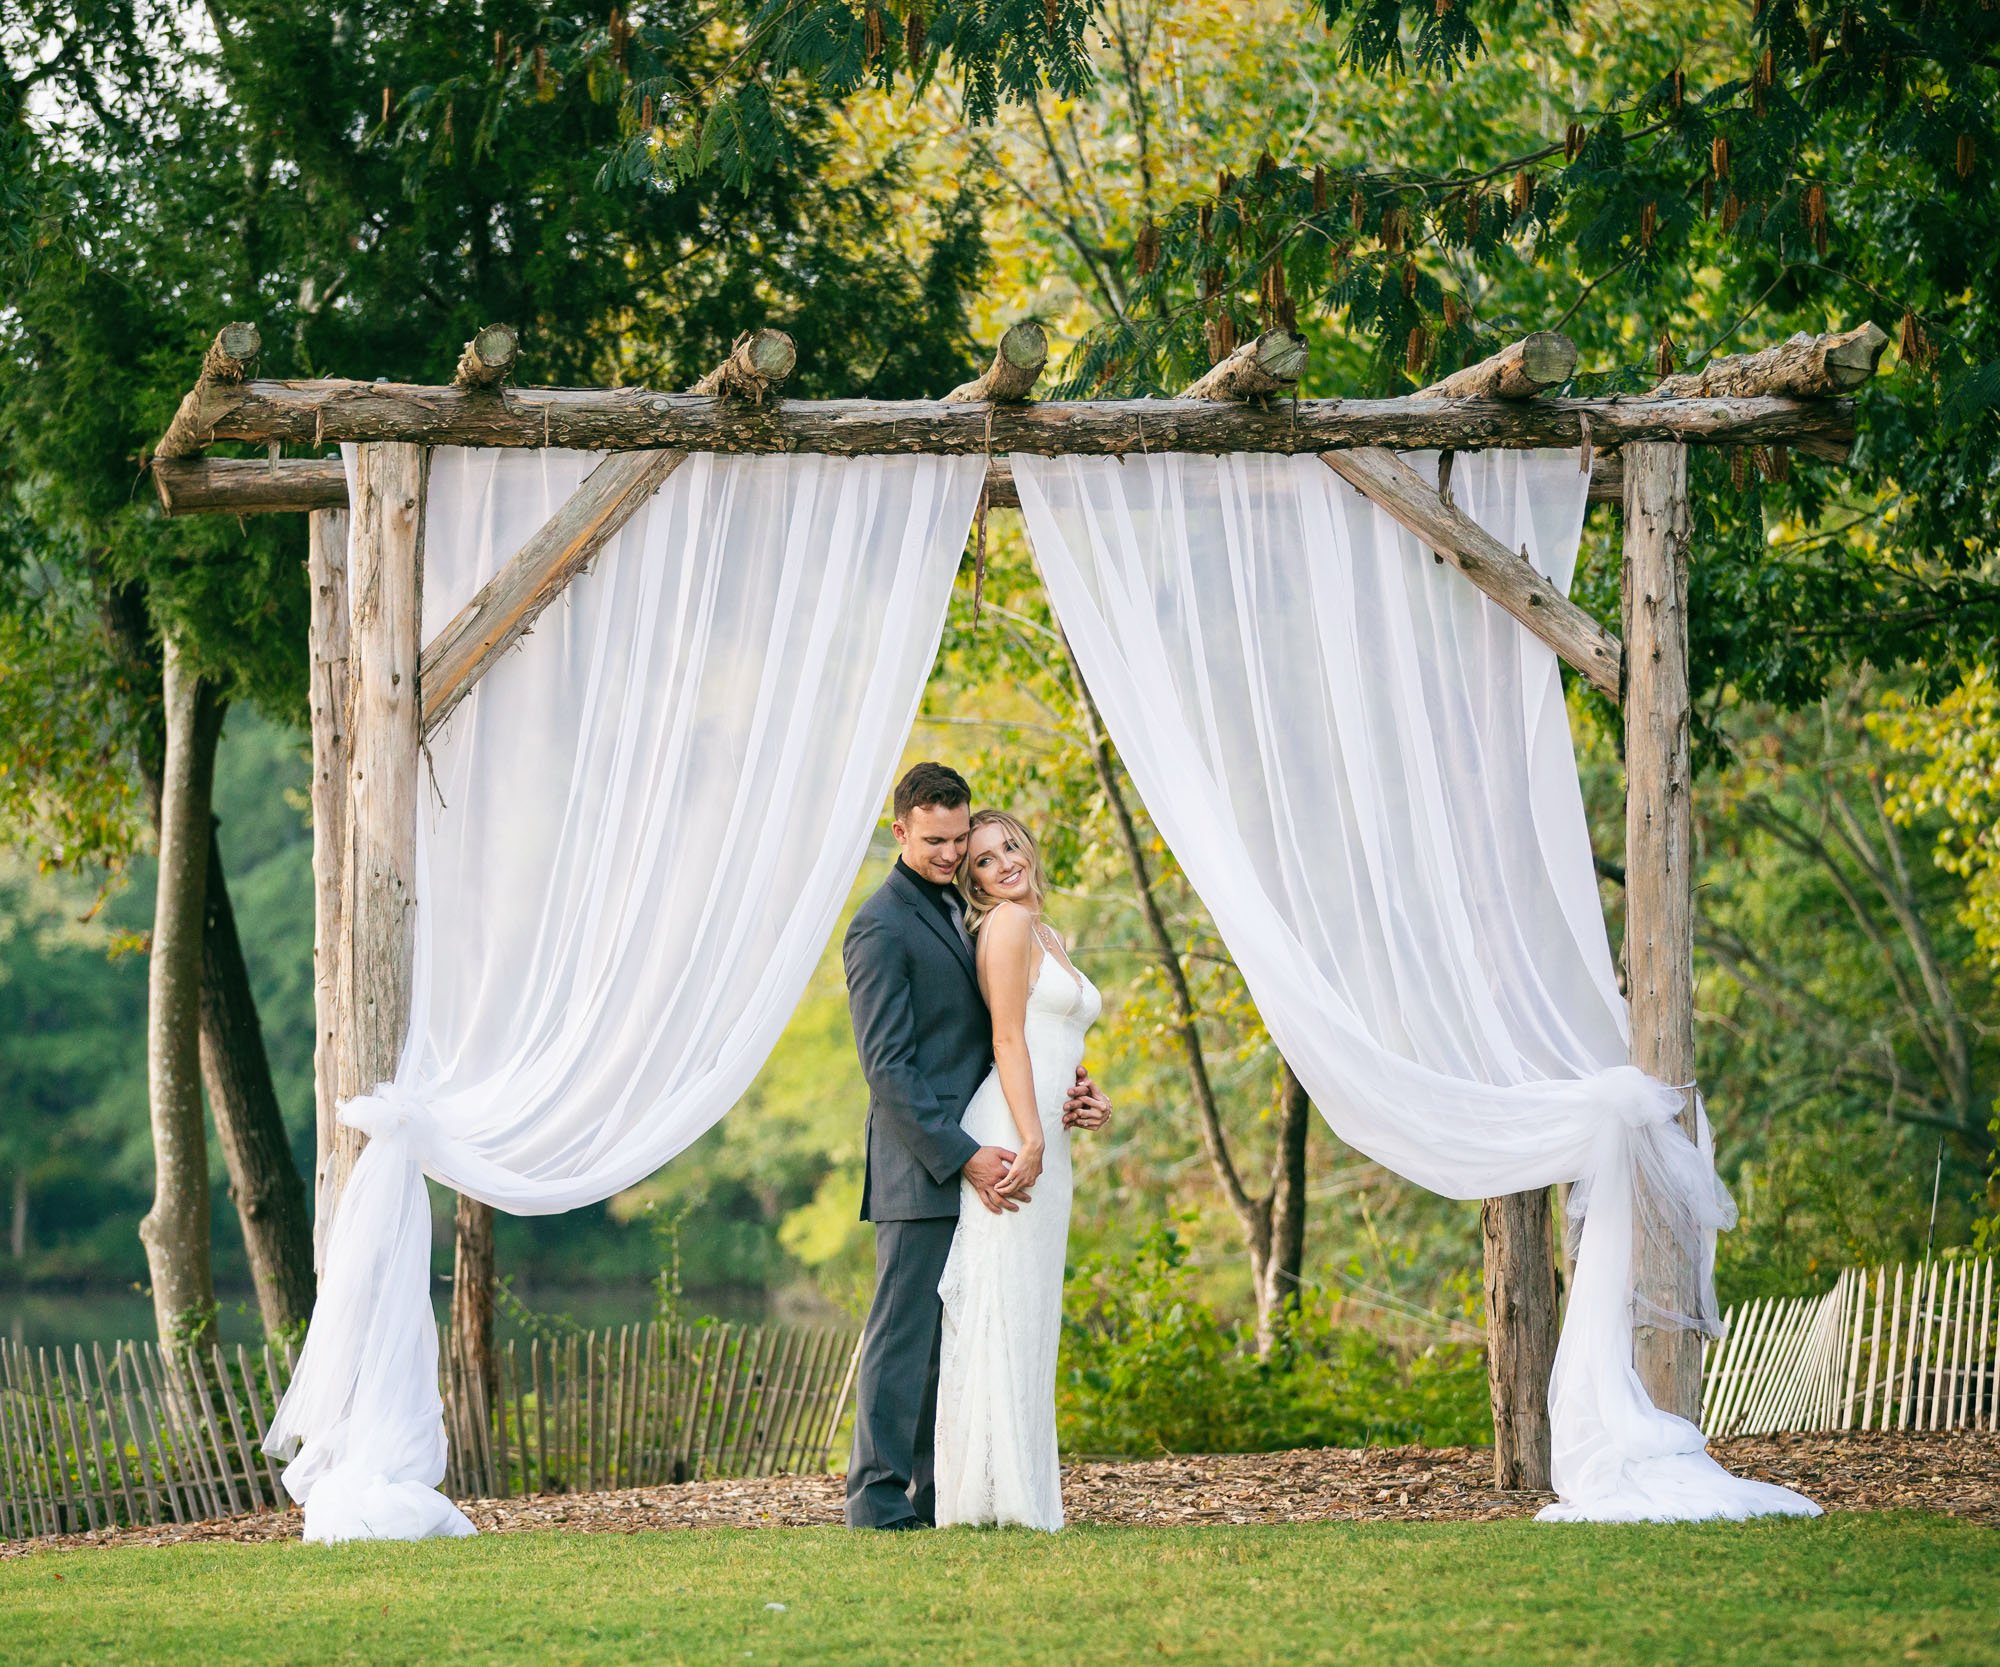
[{"x": 1002, "y": 1284}]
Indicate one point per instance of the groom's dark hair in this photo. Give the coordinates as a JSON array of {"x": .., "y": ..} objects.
[{"x": 930, "y": 784}]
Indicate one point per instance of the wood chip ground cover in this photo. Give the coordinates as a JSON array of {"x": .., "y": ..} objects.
[{"x": 1953, "y": 1475}]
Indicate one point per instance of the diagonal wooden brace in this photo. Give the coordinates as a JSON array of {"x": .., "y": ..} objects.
[
  {"x": 1510, "y": 580},
  {"x": 510, "y": 602}
]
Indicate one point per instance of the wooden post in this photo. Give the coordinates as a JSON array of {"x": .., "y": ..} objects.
[
  {"x": 326, "y": 575},
  {"x": 385, "y": 602},
  {"x": 1659, "y": 897},
  {"x": 472, "y": 1300},
  {"x": 1520, "y": 1334}
]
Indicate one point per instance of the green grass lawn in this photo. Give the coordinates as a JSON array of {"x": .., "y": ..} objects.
[{"x": 1842, "y": 1589}]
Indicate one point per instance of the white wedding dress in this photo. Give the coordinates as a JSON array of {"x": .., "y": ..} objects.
[{"x": 1002, "y": 1290}]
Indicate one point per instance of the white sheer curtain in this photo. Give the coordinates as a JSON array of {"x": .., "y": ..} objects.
[
  {"x": 635, "y": 836},
  {"x": 1365, "y": 769}
]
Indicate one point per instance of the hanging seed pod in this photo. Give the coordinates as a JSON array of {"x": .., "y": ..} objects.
[
  {"x": 1146, "y": 251},
  {"x": 499, "y": 50},
  {"x": 1574, "y": 138},
  {"x": 1707, "y": 198},
  {"x": 1677, "y": 88},
  {"x": 387, "y": 100},
  {"x": 1524, "y": 193},
  {"x": 1225, "y": 181},
  {"x": 1418, "y": 351},
  {"x": 1756, "y": 98},
  {"x": 646, "y": 114},
  {"x": 1760, "y": 459},
  {"x": 1812, "y": 209},
  {"x": 1767, "y": 68},
  {"x": 1739, "y": 468},
  {"x": 1288, "y": 315},
  {"x": 1649, "y": 223},
  {"x": 1718, "y": 156},
  {"x": 1663, "y": 356},
  {"x": 1781, "y": 464},
  {"x": 1319, "y": 190},
  {"x": 1267, "y": 165},
  {"x": 444, "y": 132},
  {"x": 1212, "y": 280},
  {"x": 1409, "y": 280},
  {"x": 872, "y": 38},
  {"x": 541, "y": 70},
  {"x": 1732, "y": 211},
  {"x": 1050, "y": 15},
  {"x": 1472, "y": 216},
  {"x": 1968, "y": 156},
  {"x": 1221, "y": 334},
  {"x": 1454, "y": 311},
  {"x": 1392, "y": 231},
  {"x": 618, "y": 33},
  {"x": 1913, "y": 345},
  {"x": 1815, "y": 45},
  {"x": 1357, "y": 209},
  {"x": 1204, "y": 223},
  {"x": 916, "y": 35}
]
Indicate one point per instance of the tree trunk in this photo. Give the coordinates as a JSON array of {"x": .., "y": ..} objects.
[
  {"x": 1284, "y": 1263},
  {"x": 264, "y": 1181},
  {"x": 472, "y": 1294},
  {"x": 1520, "y": 1334},
  {"x": 175, "y": 1230},
  {"x": 1659, "y": 897},
  {"x": 234, "y": 1066}
]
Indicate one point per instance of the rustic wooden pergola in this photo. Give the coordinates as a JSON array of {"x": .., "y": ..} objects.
[{"x": 378, "y": 690}]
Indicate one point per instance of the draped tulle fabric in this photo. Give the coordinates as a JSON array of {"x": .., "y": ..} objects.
[
  {"x": 635, "y": 836},
  {"x": 1365, "y": 769}
]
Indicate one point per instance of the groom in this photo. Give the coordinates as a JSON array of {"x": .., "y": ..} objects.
[{"x": 926, "y": 1042}]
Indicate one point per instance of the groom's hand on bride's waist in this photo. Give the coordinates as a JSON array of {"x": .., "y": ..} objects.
[
  {"x": 1085, "y": 1106},
  {"x": 985, "y": 1169}
]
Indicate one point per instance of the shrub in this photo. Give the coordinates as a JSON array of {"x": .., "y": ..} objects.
[{"x": 1148, "y": 1366}]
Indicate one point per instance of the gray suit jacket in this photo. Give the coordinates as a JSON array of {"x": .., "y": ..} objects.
[{"x": 926, "y": 1042}]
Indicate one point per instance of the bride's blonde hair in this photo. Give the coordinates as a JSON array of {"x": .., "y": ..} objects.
[{"x": 978, "y": 905}]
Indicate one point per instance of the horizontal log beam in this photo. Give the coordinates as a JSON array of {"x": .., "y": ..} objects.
[
  {"x": 1509, "y": 579},
  {"x": 1017, "y": 366},
  {"x": 237, "y": 486},
  {"x": 1520, "y": 370},
  {"x": 312, "y": 414},
  {"x": 248, "y": 486},
  {"x": 1804, "y": 366},
  {"x": 1258, "y": 369}
]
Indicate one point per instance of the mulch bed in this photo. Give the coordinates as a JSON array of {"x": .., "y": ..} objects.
[{"x": 1954, "y": 1475}]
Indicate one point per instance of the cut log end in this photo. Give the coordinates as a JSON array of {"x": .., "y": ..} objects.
[
  {"x": 222, "y": 368},
  {"x": 1521, "y": 370},
  {"x": 757, "y": 365},
  {"x": 229, "y": 355},
  {"x": 488, "y": 357},
  {"x": 1256, "y": 370},
  {"x": 1805, "y": 367},
  {"x": 1017, "y": 366}
]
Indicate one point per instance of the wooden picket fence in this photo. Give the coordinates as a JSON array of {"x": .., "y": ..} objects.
[
  {"x": 148, "y": 1436},
  {"x": 1909, "y": 1349}
]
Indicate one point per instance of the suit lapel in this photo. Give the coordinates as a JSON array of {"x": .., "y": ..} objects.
[{"x": 922, "y": 907}]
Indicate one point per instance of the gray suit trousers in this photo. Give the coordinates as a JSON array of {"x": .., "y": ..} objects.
[{"x": 891, "y": 1474}]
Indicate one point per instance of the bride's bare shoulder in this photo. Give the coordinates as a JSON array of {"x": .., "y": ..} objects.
[{"x": 1007, "y": 923}]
